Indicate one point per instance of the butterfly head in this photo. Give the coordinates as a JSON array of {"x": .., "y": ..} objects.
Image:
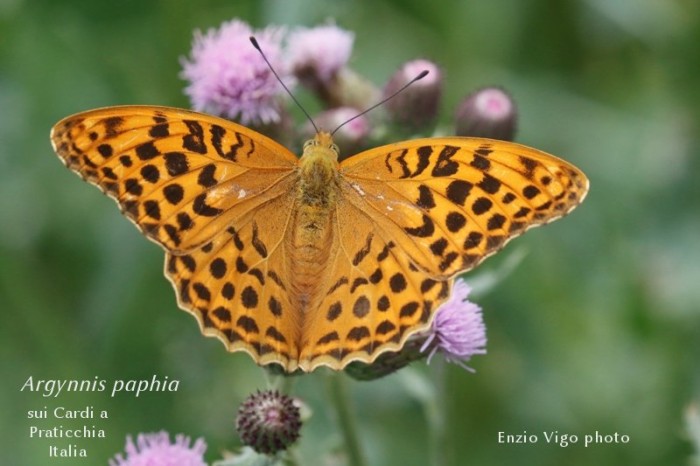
[
  {"x": 322, "y": 143},
  {"x": 320, "y": 150},
  {"x": 319, "y": 165}
]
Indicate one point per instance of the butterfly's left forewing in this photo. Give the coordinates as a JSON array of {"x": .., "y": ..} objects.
[{"x": 449, "y": 203}]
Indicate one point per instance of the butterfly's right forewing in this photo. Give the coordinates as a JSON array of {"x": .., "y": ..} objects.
[{"x": 180, "y": 176}]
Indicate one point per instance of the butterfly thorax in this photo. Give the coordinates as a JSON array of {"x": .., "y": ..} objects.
[
  {"x": 319, "y": 169},
  {"x": 309, "y": 242}
]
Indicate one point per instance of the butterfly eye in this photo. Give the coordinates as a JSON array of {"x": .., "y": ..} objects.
[
  {"x": 334, "y": 148},
  {"x": 309, "y": 143}
]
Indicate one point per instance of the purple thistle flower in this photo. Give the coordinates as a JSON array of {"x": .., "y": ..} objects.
[
  {"x": 156, "y": 450},
  {"x": 458, "y": 329},
  {"x": 319, "y": 53},
  {"x": 228, "y": 77}
]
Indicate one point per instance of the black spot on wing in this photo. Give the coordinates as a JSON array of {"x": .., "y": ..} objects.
[
  {"x": 194, "y": 141},
  {"x": 530, "y": 191},
  {"x": 176, "y": 163},
  {"x": 455, "y": 221},
  {"x": 401, "y": 159},
  {"x": 199, "y": 206},
  {"x": 327, "y": 338},
  {"x": 358, "y": 333},
  {"x": 105, "y": 150},
  {"x": 247, "y": 324},
  {"x": 249, "y": 297},
  {"x": 481, "y": 163},
  {"x": 362, "y": 253},
  {"x": 358, "y": 282},
  {"x": 112, "y": 125},
  {"x": 341, "y": 281},
  {"x": 275, "y": 334},
  {"x": 218, "y": 267},
  {"x": 147, "y": 151},
  {"x": 150, "y": 173},
  {"x": 445, "y": 166},
  {"x": 489, "y": 184},
  {"x": 425, "y": 197},
  {"x": 257, "y": 242},
  {"x": 458, "y": 191},
  {"x": 206, "y": 176},
  {"x": 424, "y": 230},
  {"x": 173, "y": 193},
  {"x": 217, "y": 134},
  {"x": 424, "y": 153},
  {"x": 361, "y": 307},
  {"x": 159, "y": 130},
  {"x": 334, "y": 311}
]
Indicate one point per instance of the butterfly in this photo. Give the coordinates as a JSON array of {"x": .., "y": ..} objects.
[{"x": 309, "y": 262}]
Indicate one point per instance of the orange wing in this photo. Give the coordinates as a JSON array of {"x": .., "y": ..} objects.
[
  {"x": 216, "y": 196},
  {"x": 409, "y": 217},
  {"x": 180, "y": 176},
  {"x": 449, "y": 203}
]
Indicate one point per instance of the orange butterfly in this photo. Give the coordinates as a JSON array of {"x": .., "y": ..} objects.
[{"x": 308, "y": 262}]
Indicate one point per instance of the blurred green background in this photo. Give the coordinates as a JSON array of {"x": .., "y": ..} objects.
[{"x": 596, "y": 330}]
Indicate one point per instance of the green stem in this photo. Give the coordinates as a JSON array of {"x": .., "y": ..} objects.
[
  {"x": 436, "y": 417},
  {"x": 280, "y": 382},
  {"x": 292, "y": 458},
  {"x": 338, "y": 394}
]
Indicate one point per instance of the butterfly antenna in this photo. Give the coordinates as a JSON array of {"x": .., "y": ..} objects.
[
  {"x": 420, "y": 76},
  {"x": 254, "y": 41}
]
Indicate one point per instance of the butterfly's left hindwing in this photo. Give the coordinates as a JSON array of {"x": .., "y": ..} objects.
[
  {"x": 450, "y": 202},
  {"x": 180, "y": 176}
]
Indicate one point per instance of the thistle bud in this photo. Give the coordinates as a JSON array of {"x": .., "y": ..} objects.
[
  {"x": 488, "y": 112},
  {"x": 416, "y": 106},
  {"x": 268, "y": 421}
]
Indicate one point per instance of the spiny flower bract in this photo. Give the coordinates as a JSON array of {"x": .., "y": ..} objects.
[{"x": 268, "y": 421}]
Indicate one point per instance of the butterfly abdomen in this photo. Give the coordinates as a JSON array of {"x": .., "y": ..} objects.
[
  {"x": 310, "y": 238},
  {"x": 309, "y": 245}
]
